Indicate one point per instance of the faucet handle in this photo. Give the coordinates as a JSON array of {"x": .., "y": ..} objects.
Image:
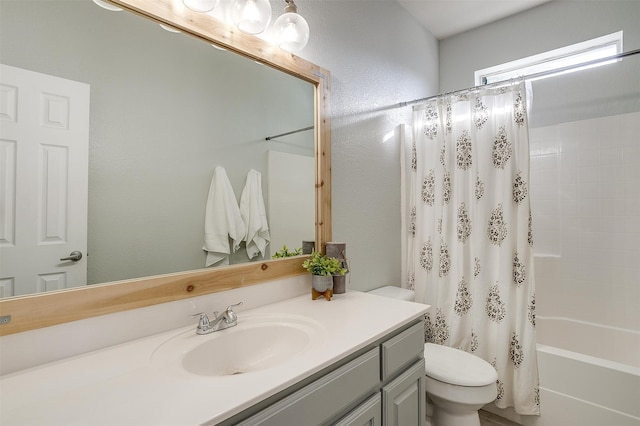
[
  {"x": 229, "y": 308},
  {"x": 231, "y": 316},
  {"x": 204, "y": 320}
]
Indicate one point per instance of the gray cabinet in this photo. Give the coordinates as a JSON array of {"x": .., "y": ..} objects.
[
  {"x": 404, "y": 399},
  {"x": 382, "y": 386},
  {"x": 318, "y": 402}
]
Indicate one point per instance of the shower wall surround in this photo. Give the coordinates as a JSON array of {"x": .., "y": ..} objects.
[{"x": 586, "y": 214}]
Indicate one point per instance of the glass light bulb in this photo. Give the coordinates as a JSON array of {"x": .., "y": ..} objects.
[
  {"x": 251, "y": 16},
  {"x": 201, "y": 5},
  {"x": 250, "y": 12},
  {"x": 291, "y": 32}
]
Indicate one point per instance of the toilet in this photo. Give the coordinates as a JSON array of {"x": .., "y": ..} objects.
[{"x": 458, "y": 383}]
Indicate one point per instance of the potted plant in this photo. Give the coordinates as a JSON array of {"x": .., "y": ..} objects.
[
  {"x": 285, "y": 252},
  {"x": 322, "y": 269}
]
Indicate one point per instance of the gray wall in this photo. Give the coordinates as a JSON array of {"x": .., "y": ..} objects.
[
  {"x": 378, "y": 55},
  {"x": 549, "y": 26}
]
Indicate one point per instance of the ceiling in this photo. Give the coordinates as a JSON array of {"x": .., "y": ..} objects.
[{"x": 445, "y": 18}]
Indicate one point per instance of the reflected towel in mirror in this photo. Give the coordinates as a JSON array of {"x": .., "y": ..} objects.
[
  {"x": 254, "y": 215},
  {"x": 222, "y": 220}
]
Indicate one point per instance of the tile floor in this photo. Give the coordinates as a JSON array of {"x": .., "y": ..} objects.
[{"x": 490, "y": 419}]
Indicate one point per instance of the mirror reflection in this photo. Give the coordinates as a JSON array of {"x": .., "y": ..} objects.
[{"x": 164, "y": 110}]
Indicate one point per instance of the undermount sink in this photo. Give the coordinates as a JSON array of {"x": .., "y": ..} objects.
[{"x": 257, "y": 343}]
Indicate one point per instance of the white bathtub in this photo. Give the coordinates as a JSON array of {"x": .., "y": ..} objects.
[
  {"x": 589, "y": 375},
  {"x": 608, "y": 343}
]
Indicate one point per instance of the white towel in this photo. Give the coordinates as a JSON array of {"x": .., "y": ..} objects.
[
  {"x": 222, "y": 220},
  {"x": 254, "y": 215}
]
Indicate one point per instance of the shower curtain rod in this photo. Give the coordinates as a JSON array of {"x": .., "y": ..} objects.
[
  {"x": 526, "y": 77},
  {"x": 268, "y": 138}
]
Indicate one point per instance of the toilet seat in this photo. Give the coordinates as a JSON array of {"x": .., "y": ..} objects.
[{"x": 456, "y": 367}]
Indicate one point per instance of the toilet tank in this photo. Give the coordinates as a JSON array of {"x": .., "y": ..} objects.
[{"x": 394, "y": 293}]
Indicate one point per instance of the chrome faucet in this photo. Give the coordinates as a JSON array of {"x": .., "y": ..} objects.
[{"x": 225, "y": 320}]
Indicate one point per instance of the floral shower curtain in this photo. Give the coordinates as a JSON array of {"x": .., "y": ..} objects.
[{"x": 470, "y": 243}]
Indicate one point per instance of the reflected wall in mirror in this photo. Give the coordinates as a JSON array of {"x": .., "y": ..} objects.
[
  {"x": 36, "y": 311},
  {"x": 165, "y": 109}
]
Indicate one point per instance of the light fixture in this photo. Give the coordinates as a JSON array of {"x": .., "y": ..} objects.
[
  {"x": 108, "y": 6},
  {"x": 201, "y": 5},
  {"x": 290, "y": 29},
  {"x": 251, "y": 16}
]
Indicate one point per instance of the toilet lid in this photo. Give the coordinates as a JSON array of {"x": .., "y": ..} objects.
[
  {"x": 394, "y": 292},
  {"x": 454, "y": 366}
]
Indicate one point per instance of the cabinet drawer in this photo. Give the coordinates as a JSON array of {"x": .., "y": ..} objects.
[
  {"x": 319, "y": 401},
  {"x": 402, "y": 350}
]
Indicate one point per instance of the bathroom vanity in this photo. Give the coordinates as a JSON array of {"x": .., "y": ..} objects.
[
  {"x": 385, "y": 382},
  {"x": 297, "y": 361}
]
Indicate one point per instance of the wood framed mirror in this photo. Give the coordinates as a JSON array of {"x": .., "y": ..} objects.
[{"x": 46, "y": 309}]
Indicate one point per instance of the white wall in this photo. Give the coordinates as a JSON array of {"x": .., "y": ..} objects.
[{"x": 378, "y": 56}]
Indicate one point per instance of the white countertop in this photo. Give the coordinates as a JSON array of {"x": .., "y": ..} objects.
[{"x": 121, "y": 385}]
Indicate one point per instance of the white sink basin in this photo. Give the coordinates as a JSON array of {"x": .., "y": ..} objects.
[{"x": 257, "y": 343}]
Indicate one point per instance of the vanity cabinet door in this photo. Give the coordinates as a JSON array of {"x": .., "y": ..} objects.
[
  {"x": 404, "y": 398},
  {"x": 319, "y": 401},
  {"x": 369, "y": 413}
]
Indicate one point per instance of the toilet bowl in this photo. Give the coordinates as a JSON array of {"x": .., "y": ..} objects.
[{"x": 457, "y": 383}]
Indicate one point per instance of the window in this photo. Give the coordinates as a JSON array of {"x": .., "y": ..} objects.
[{"x": 558, "y": 59}]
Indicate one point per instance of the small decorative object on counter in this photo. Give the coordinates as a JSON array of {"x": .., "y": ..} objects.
[
  {"x": 339, "y": 284},
  {"x": 339, "y": 251},
  {"x": 322, "y": 269},
  {"x": 308, "y": 247},
  {"x": 285, "y": 252}
]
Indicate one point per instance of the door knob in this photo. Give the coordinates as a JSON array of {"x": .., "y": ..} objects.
[{"x": 74, "y": 255}]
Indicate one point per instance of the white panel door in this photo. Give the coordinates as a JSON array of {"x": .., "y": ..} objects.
[{"x": 44, "y": 148}]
